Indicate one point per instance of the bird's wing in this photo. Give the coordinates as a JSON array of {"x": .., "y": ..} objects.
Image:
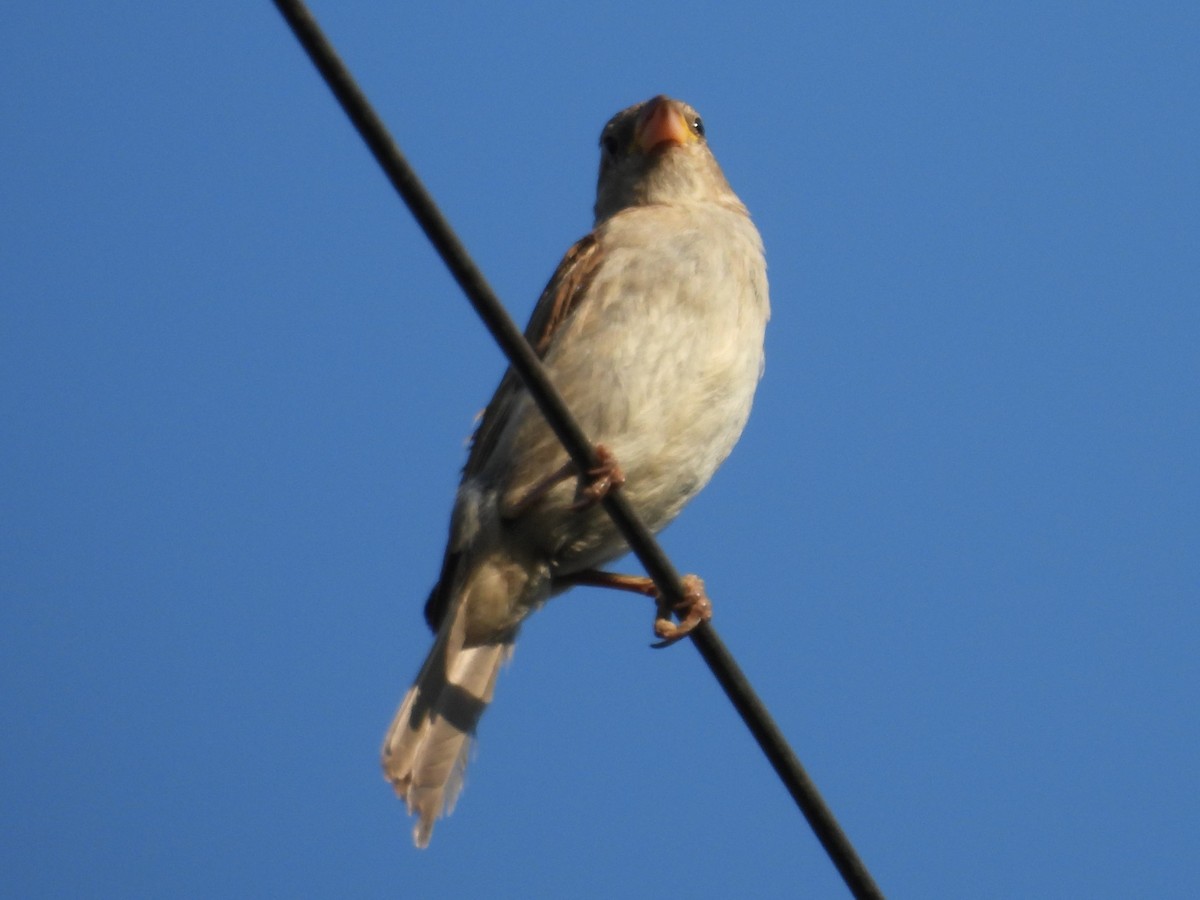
[{"x": 561, "y": 296}]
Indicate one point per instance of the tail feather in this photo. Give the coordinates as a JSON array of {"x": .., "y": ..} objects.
[{"x": 425, "y": 750}]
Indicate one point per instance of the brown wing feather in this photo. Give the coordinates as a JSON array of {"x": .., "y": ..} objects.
[{"x": 561, "y": 296}]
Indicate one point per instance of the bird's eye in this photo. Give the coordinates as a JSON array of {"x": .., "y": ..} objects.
[
  {"x": 698, "y": 126},
  {"x": 608, "y": 143}
]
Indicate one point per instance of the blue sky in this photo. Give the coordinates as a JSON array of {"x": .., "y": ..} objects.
[{"x": 955, "y": 551}]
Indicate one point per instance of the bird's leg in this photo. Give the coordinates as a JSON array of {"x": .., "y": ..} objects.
[
  {"x": 541, "y": 488},
  {"x": 692, "y": 610},
  {"x": 592, "y": 488}
]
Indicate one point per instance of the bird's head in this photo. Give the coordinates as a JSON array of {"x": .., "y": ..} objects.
[{"x": 656, "y": 153}]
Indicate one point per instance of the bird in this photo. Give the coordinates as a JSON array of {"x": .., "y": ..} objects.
[{"x": 652, "y": 329}]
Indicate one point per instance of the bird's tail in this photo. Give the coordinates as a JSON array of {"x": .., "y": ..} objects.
[{"x": 425, "y": 750}]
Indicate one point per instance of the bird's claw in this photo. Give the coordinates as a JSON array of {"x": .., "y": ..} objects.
[
  {"x": 601, "y": 479},
  {"x": 692, "y": 610}
]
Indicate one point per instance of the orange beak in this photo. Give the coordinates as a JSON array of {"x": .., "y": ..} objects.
[{"x": 661, "y": 123}]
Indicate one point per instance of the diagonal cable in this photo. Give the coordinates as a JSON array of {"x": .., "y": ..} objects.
[{"x": 526, "y": 364}]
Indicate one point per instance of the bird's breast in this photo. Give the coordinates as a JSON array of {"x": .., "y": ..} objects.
[{"x": 661, "y": 361}]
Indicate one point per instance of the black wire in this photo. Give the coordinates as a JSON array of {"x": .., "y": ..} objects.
[{"x": 529, "y": 368}]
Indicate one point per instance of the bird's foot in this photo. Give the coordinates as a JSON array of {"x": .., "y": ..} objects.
[
  {"x": 593, "y": 486},
  {"x": 601, "y": 479},
  {"x": 694, "y": 608}
]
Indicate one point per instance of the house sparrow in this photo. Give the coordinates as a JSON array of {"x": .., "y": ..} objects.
[{"x": 652, "y": 329}]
